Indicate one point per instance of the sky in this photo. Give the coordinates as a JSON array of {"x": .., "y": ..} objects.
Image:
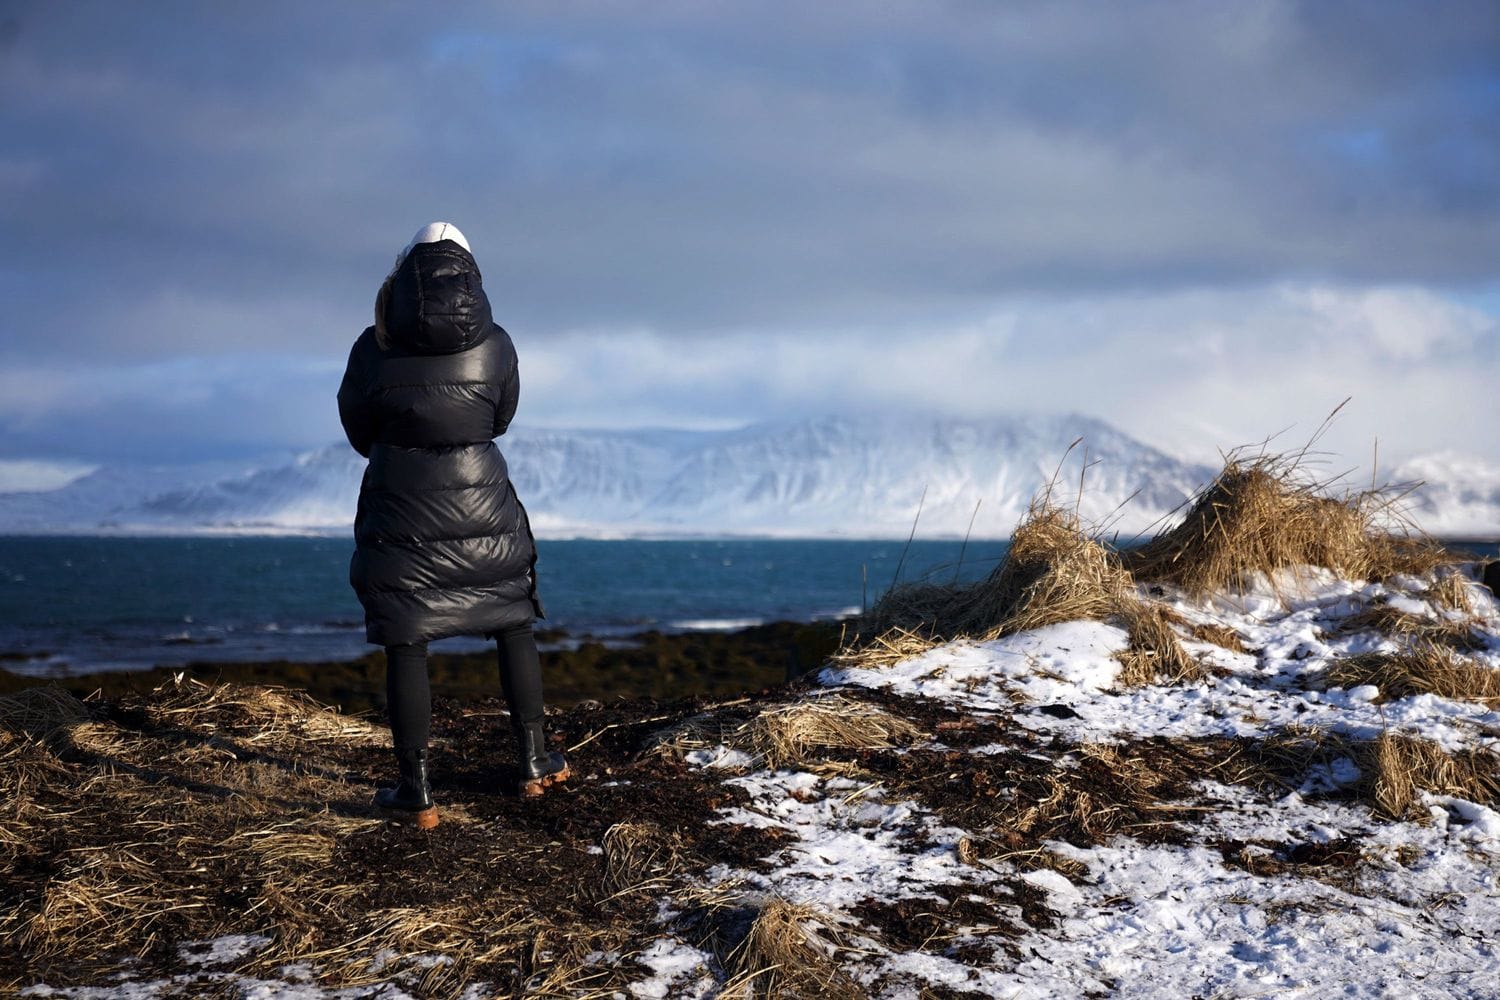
[{"x": 1205, "y": 223}]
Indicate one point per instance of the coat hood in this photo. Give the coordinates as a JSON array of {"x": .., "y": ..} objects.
[{"x": 434, "y": 302}]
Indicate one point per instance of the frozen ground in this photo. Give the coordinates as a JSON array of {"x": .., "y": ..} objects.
[{"x": 1315, "y": 895}]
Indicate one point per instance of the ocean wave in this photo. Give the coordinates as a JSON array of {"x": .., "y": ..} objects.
[{"x": 714, "y": 624}]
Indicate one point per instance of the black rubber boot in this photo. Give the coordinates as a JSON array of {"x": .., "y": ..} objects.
[
  {"x": 413, "y": 795},
  {"x": 540, "y": 767}
]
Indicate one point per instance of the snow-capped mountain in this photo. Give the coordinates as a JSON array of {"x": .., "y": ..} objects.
[
  {"x": 317, "y": 489},
  {"x": 99, "y": 500},
  {"x": 837, "y": 476},
  {"x": 834, "y": 476}
]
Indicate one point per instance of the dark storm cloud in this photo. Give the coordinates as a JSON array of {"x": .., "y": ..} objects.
[
  {"x": 181, "y": 182},
  {"x": 703, "y": 166}
]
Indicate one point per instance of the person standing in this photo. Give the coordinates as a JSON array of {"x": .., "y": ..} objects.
[{"x": 443, "y": 546}]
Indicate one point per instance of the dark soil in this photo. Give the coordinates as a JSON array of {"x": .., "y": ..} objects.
[
  {"x": 497, "y": 858},
  {"x": 541, "y": 855}
]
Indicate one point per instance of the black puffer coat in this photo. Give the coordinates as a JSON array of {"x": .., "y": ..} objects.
[{"x": 443, "y": 546}]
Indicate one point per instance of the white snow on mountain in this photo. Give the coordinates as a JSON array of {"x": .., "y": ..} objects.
[
  {"x": 318, "y": 489},
  {"x": 105, "y": 499},
  {"x": 833, "y": 476}
]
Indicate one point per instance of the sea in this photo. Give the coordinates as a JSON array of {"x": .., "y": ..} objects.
[{"x": 71, "y": 605}]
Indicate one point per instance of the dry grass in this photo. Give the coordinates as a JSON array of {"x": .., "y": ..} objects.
[
  {"x": 698, "y": 732},
  {"x": 1406, "y": 765},
  {"x": 1100, "y": 797},
  {"x": 1155, "y": 653},
  {"x": 767, "y": 946},
  {"x": 290, "y": 847},
  {"x": 563, "y": 963},
  {"x": 470, "y": 936},
  {"x": 1029, "y": 858},
  {"x": 1262, "y": 516},
  {"x": 640, "y": 856},
  {"x": 107, "y": 897},
  {"x": 1454, "y": 591},
  {"x": 885, "y": 648},
  {"x": 1413, "y": 629},
  {"x": 259, "y": 716},
  {"x": 1394, "y": 767},
  {"x": 784, "y": 954},
  {"x": 40, "y": 711},
  {"x": 790, "y": 734},
  {"x": 909, "y": 613},
  {"x": 26, "y": 766},
  {"x": 1016, "y": 803},
  {"x": 1053, "y": 573},
  {"x": 1220, "y": 635},
  {"x": 100, "y": 739},
  {"x": 199, "y": 810},
  {"x": 796, "y": 733},
  {"x": 1425, "y": 668}
]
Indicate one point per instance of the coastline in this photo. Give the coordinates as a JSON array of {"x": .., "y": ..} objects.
[{"x": 649, "y": 664}]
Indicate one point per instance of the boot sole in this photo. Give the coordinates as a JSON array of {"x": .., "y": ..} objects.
[
  {"x": 422, "y": 819},
  {"x": 536, "y": 786}
]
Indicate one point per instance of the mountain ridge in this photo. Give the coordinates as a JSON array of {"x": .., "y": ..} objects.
[{"x": 830, "y": 476}]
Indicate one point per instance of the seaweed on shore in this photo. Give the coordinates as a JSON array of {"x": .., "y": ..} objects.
[{"x": 652, "y": 664}]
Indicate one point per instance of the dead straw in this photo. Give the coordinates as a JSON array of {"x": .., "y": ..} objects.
[
  {"x": 1261, "y": 515},
  {"x": 790, "y": 734},
  {"x": 1427, "y": 667}
]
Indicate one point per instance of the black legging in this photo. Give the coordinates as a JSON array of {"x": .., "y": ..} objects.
[{"x": 409, "y": 696}]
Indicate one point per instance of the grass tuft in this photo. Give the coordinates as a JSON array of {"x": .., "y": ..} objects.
[
  {"x": 259, "y": 717},
  {"x": 1453, "y": 591},
  {"x": 1220, "y": 635},
  {"x": 1155, "y": 653},
  {"x": 784, "y": 954},
  {"x": 885, "y": 648},
  {"x": 1053, "y": 573},
  {"x": 1263, "y": 515},
  {"x": 40, "y": 711},
  {"x": 1413, "y": 629},
  {"x": 789, "y": 734},
  {"x": 1404, "y": 766},
  {"x": 640, "y": 856},
  {"x": 1425, "y": 668},
  {"x": 1394, "y": 767}
]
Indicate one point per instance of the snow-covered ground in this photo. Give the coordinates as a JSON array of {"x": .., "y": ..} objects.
[
  {"x": 1420, "y": 918},
  {"x": 1414, "y": 913}
]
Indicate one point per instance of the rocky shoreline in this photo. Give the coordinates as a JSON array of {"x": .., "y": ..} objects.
[{"x": 649, "y": 664}]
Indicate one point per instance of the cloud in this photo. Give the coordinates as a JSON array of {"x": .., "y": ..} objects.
[
  {"x": 950, "y": 192},
  {"x": 28, "y": 477},
  {"x": 1193, "y": 372},
  {"x": 181, "y": 410}
]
